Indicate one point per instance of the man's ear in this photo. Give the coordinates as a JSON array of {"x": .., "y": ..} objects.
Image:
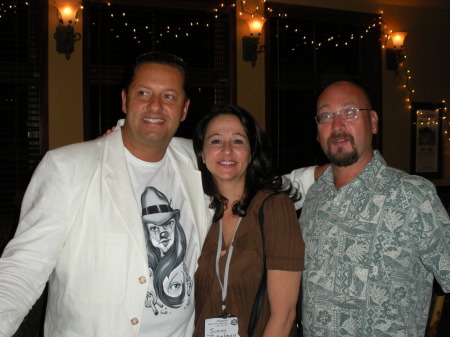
[
  {"x": 124, "y": 101},
  {"x": 374, "y": 121},
  {"x": 185, "y": 109}
]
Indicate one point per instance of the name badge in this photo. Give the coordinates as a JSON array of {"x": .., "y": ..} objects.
[{"x": 222, "y": 327}]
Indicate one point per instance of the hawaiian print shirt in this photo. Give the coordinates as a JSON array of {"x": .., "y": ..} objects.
[{"x": 372, "y": 248}]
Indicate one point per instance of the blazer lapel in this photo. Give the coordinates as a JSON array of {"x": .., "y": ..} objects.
[
  {"x": 191, "y": 182},
  {"x": 117, "y": 178}
]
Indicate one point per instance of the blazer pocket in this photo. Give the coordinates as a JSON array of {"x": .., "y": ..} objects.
[{"x": 103, "y": 269}]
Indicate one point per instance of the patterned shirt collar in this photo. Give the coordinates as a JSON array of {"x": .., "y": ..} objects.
[{"x": 366, "y": 176}]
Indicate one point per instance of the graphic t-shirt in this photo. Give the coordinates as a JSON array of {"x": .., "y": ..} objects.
[{"x": 172, "y": 248}]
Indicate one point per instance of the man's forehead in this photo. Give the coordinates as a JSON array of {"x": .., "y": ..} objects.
[
  {"x": 345, "y": 104},
  {"x": 344, "y": 91},
  {"x": 341, "y": 96}
]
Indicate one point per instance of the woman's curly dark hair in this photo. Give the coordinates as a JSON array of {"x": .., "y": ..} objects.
[{"x": 259, "y": 174}]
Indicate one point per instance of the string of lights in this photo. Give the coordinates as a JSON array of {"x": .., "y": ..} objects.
[
  {"x": 422, "y": 118},
  {"x": 257, "y": 9},
  {"x": 184, "y": 30},
  {"x": 8, "y": 9}
]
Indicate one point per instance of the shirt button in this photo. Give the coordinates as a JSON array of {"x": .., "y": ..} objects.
[
  {"x": 142, "y": 279},
  {"x": 134, "y": 321}
]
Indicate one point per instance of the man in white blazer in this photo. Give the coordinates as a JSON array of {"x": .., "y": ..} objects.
[{"x": 94, "y": 211}]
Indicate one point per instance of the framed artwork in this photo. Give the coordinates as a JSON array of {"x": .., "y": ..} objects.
[{"x": 427, "y": 139}]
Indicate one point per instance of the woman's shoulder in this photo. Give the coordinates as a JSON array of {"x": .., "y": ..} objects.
[{"x": 269, "y": 197}]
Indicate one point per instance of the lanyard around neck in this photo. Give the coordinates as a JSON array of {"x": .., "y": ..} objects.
[{"x": 224, "y": 286}]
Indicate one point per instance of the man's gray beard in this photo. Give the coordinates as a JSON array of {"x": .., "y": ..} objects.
[{"x": 342, "y": 159}]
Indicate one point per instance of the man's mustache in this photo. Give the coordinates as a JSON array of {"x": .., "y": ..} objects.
[{"x": 339, "y": 137}]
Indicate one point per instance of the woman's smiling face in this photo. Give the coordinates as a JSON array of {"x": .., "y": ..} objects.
[{"x": 226, "y": 151}]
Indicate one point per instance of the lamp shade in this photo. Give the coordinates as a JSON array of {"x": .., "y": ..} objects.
[
  {"x": 68, "y": 11},
  {"x": 256, "y": 25},
  {"x": 398, "y": 38}
]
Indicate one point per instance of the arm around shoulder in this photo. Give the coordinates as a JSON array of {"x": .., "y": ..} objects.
[{"x": 302, "y": 179}]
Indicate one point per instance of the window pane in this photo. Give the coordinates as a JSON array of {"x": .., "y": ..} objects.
[
  {"x": 121, "y": 32},
  {"x": 20, "y": 144},
  {"x": 311, "y": 48}
]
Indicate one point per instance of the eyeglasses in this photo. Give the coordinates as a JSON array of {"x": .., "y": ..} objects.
[{"x": 345, "y": 114}]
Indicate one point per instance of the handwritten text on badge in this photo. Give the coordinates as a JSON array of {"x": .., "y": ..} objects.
[{"x": 221, "y": 327}]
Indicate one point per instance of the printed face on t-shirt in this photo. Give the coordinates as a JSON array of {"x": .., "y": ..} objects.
[
  {"x": 162, "y": 235},
  {"x": 174, "y": 283}
]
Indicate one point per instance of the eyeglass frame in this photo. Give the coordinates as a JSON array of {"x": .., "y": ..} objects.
[{"x": 339, "y": 113}]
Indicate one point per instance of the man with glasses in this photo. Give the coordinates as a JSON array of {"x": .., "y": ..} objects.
[
  {"x": 90, "y": 215},
  {"x": 374, "y": 236}
]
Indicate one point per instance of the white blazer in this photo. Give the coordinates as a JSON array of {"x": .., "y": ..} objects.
[{"x": 81, "y": 229}]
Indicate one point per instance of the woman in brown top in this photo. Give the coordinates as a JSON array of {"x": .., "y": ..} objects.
[{"x": 232, "y": 152}]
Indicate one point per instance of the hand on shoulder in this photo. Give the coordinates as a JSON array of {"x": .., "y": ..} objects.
[{"x": 107, "y": 132}]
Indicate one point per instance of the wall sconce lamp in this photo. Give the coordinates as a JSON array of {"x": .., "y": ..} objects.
[
  {"x": 394, "y": 56},
  {"x": 250, "y": 43},
  {"x": 65, "y": 35}
]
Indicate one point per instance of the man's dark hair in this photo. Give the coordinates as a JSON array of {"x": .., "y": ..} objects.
[{"x": 159, "y": 58}]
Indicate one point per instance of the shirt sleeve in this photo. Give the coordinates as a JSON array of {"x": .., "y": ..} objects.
[
  {"x": 30, "y": 256},
  {"x": 301, "y": 179},
  {"x": 433, "y": 234},
  {"x": 283, "y": 239}
]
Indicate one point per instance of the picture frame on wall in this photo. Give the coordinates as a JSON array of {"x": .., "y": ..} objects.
[{"x": 427, "y": 139}]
